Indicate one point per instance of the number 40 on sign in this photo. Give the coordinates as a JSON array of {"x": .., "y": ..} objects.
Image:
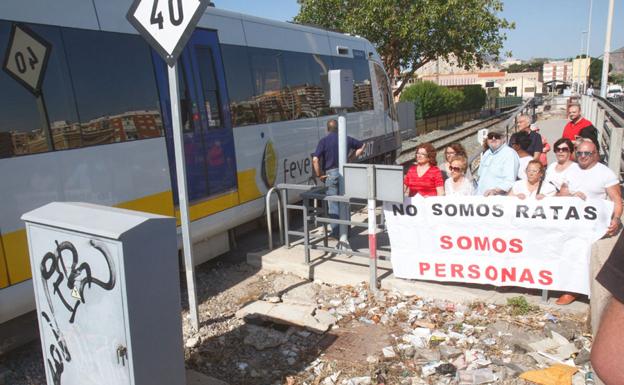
[{"x": 166, "y": 24}]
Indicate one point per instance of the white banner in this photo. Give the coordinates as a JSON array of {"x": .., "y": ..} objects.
[{"x": 502, "y": 241}]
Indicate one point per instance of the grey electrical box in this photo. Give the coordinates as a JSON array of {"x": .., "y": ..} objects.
[
  {"x": 340, "y": 88},
  {"x": 108, "y": 295}
]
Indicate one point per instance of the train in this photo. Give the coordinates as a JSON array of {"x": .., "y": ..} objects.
[{"x": 85, "y": 116}]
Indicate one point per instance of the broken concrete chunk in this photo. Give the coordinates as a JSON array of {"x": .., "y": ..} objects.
[
  {"x": 192, "y": 342},
  {"x": 302, "y": 295},
  {"x": 388, "y": 352},
  {"x": 263, "y": 338},
  {"x": 286, "y": 314},
  {"x": 359, "y": 381}
]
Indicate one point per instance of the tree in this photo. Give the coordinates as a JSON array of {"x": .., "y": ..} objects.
[
  {"x": 535, "y": 65},
  {"x": 410, "y": 33},
  {"x": 474, "y": 97},
  {"x": 595, "y": 72}
]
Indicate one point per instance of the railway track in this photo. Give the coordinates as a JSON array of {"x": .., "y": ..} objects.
[{"x": 440, "y": 142}]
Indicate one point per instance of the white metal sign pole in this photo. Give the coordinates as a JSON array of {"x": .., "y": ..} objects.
[
  {"x": 372, "y": 229},
  {"x": 342, "y": 160},
  {"x": 178, "y": 144}
]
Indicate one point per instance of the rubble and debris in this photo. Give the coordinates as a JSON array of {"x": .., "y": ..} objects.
[{"x": 271, "y": 328}]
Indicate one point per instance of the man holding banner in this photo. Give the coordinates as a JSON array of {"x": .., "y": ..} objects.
[
  {"x": 594, "y": 180},
  {"x": 499, "y": 167}
]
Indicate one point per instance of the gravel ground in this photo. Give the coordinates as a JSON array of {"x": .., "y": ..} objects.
[{"x": 382, "y": 338}]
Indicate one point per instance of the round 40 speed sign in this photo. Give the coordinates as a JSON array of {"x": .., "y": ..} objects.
[{"x": 166, "y": 24}]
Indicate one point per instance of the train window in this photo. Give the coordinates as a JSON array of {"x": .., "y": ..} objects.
[
  {"x": 274, "y": 100},
  {"x": 209, "y": 86},
  {"x": 304, "y": 74},
  {"x": 27, "y": 122},
  {"x": 362, "y": 89},
  {"x": 114, "y": 86},
  {"x": 240, "y": 87},
  {"x": 384, "y": 91},
  {"x": 186, "y": 101}
]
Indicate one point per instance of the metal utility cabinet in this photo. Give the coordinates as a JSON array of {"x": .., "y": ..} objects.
[{"x": 108, "y": 295}]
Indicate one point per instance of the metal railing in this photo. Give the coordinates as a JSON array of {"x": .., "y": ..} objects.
[
  {"x": 282, "y": 209},
  {"x": 609, "y": 121},
  {"x": 315, "y": 215}
]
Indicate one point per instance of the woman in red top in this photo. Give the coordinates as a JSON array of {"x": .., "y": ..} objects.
[{"x": 424, "y": 177}]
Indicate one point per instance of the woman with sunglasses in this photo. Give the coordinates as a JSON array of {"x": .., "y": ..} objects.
[
  {"x": 557, "y": 173},
  {"x": 424, "y": 177},
  {"x": 532, "y": 187},
  {"x": 458, "y": 183},
  {"x": 450, "y": 151}
]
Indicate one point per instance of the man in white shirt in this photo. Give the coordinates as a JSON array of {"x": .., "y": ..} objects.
[{"x": 594, "y": 180}]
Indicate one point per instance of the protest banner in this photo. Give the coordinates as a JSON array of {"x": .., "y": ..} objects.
[{"x": 501, "y": 241}]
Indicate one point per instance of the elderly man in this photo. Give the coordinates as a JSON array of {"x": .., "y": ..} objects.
[
  {"x": 536, "y": 146},
  {"x": 593, "y": 180},
  {"x": 499, "y": 167},
  {"x": 579, "y": 127}
]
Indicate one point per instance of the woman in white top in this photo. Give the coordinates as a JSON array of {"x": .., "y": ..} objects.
[
  {"x": 450, "y": 151},
  {"x": 458, "y": 183},
  {"x": 558, "y": 172},
  {"x": 533, "y": 187}
]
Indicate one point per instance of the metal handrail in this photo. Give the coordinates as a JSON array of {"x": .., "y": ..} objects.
[
  {"x": 609, "y": 121},
  {"x": 279, "y": 216},
  {"x": 281, "y": 200}
]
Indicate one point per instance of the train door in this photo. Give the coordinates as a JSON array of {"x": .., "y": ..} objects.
[{"x": 206, "y": 122}]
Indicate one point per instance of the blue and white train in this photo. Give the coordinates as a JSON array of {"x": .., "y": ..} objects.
[{"x": 254, "y": 104}]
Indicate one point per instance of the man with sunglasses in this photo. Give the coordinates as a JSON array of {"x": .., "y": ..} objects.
[
  {"x": 499, "y": 167},
  {"x": 594, "y": 180}
]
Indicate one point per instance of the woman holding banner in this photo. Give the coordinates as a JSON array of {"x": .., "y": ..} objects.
[
  {"x": 458, "y": 183},
  {"x": 557, "y": 172},
  {"x": 424, "y": 176},
  {"x": 533, "y": 186}
]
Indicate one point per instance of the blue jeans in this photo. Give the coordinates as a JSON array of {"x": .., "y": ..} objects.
[{"x": 331, "y": 182}]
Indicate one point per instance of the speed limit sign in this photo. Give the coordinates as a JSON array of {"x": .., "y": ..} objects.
[
  {"x": 26, "y": 57},
  {"x": 166, "y": 24}
]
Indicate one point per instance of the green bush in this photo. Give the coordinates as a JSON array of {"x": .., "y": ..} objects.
[
  {"x": 474, "y": 97},
  {"x": 432, "y": 100}
]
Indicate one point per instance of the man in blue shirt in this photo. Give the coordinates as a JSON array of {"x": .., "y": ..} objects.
[
  {"x": 325, "y": 162},
  {"x": 499, "y": 167}
]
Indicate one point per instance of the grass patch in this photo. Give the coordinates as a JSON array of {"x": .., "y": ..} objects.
[{"x": 520, "y": 306}]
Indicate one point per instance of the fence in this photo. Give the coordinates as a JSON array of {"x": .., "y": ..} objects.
[
  {"x": 609, "y": 121},
  {"x": 410, "y": 128}
]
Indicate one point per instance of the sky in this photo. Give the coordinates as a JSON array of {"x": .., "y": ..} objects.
[{"x": 544, "y": 28}]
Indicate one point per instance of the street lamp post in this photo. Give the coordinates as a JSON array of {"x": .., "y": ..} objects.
[{"x": 605, "y": 61}]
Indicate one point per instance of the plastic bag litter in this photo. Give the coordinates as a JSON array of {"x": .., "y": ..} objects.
[
  {"x": 555, "y": 375},
  {"x": 476, "y": 377}
]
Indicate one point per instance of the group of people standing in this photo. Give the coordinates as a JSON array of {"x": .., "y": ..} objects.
[{"x": 519, "y": 169}]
